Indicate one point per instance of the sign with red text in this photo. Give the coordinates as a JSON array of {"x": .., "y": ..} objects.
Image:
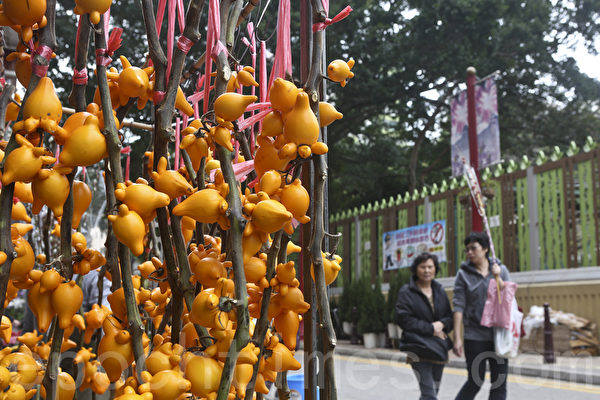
[{"x": 402, "y": 246}]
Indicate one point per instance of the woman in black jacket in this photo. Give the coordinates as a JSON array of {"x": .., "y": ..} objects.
[{"x": 425, "y": 316}]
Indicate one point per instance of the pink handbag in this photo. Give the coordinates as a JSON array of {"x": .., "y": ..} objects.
[{"x": 498, "y": 313}]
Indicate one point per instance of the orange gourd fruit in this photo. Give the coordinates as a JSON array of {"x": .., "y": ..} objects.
[
  {"x": 281, "y": 359},
  {"x": 43, "y": 103},
  {"x": 283, "y": 95},
  {"x": 25, "y": 258},
  {"x": 66, "y": 301},
  {"x": 19, "y": 212},
  {"x": 65, "y": 387},
  {"x": 23, "y": 192},
  {"x": 331, "y": 268},
  {"x": 24, "y": 162},
  {"x": 266, "y": 157},
  {"x": 170, "y": 182},
  {"x": 296, "y": 200},
  {"x": 51, "y": 188},
  {"x": 12, "y": 110},
  {"x": 129, "y": 229},
  {"x": 301, "y": 125},
  {"x": 204, "y": 373},
  {"x": 287, "y": 324},
  {"x": 231, "y": 106},
  {"x": 182, "y": 104},
  {"x": 339, "y": 71},
  {"x": 206, "y": 270},
  {"x": 294, "y": 301},
  {"x": 86, "y": 145},
  {"x": 24, "y": 13},
  {"x": 166, "y": 385},
  {"x": 270, "y": 182},
  {"x": 133, "y": 81},
  {"x": 82, "y": 198},
  {"x": 49, "y": 280},
  {"x": 23, "y": 70},
  {"x": 5, "y": 329},
  {"x": 142, "y": 199},
  {"x": 93, "y": 7},
  {"x": 328, "y": 114},
  {"x": 272, "y": 124},
  {"x": 255, "y": 270},
  {"x": 246, "y": 77},
  {"x": 115, "y": 350},
  {"x": 268, "y": 216},
  {"x": 242, "y": 374},
  {"x": 24, "y": 365},
  {"x": 206, "y": 206},
  {"x": 73, "y": 122},
  {"x": 30, "y": 339}
]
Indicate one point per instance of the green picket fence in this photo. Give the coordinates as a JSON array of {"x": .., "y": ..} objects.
[{"x": 544, "y": 216}]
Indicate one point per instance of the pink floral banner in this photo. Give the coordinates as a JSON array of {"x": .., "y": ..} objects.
[{"x": 488, "y": 132}]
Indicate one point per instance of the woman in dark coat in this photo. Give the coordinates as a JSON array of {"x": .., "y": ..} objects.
[{"x": 425, "y": 316}]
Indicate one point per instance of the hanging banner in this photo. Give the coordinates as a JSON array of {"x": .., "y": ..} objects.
[
  {"x": 488, "y": 131},
  {"x": 402, "y": 246}
]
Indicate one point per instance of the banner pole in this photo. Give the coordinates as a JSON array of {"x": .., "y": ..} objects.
[{"x": 476, "y": 220}]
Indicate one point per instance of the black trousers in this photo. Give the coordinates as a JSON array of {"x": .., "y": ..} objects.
[
  {"x": 429, "y": 376},
  {"x": 478, "y": 354}
]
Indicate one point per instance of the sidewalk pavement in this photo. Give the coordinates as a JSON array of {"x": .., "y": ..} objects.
[{"x": 585, "y": 370}]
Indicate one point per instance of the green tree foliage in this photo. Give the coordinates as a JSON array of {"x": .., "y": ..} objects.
[{"x": 393, "y": 139}]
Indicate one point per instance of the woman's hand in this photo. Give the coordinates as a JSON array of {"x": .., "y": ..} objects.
[
  {"x": 496, "y": 270},
  {"x": 438, "y": 330},
  {"x": 458, "y": 347}
]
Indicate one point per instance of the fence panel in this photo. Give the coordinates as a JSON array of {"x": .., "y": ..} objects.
[
  {"x": 523, "y": 245},
  {"x": 552, "y": 230},
  {"x": 586, "y": 254}
]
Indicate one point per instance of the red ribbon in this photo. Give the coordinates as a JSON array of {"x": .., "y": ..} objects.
[
  {"x": 114, "y": 41},
  {"x": 184, "y": 44},
  {"x": 46, "y": 52},
  {"x": 80, "y": 77},
  {"x": 158, "y": 97},
  {"x": 341, "y": 15},
  {"x": 102, "y": 57}
]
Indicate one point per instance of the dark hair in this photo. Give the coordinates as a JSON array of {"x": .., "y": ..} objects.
[
  {"x": 478, "y": 237},
  {"x": 421, "y": 258}
]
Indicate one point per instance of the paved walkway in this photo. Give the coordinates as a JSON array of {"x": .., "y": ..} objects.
[{"x": 573, "y": 369}]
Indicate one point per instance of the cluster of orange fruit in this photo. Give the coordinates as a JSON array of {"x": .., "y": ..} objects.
[{"x": 290, "y": 130}]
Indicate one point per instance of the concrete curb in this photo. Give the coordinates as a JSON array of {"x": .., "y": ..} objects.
[{"x": 587, "y": 376}]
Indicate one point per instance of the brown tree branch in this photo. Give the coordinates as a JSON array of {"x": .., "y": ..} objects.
[{"x": 113, "y": 145}]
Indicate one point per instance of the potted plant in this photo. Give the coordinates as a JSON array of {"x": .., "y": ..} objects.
[
  {"x": 400, "y": 278},
  {"x": 345, "y": 305},
  {"x": 372, "y": 314}
]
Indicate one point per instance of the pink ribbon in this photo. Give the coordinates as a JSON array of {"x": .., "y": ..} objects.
[
  {"x": 158, "y": 97},
  {"x": 177, "y": 139},
  {"x": 114, "y": 41},
  {"x": 258, "y": 106},
  {"x": 252, "y": 120},
  {"x": 282, "y": 64},
  {"x": 160, "y": 13},
  {"x": 184, "y": 44},
  {"x": 262, "y": 78},
  {"x": 212, "y": 36},
  {"x": 170, "y": 35},
  {"x": 240, "y": 170},
  {"x": 319, "y": 26},
  {"x": 102, "y": 57},
  {"x": 46, "y": 52},
  {"x": 80, "y": 77}
]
